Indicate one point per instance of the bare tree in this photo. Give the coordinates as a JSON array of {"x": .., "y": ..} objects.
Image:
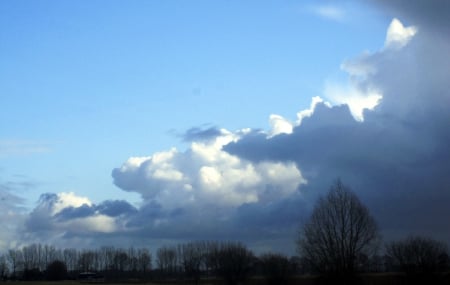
[
  {"x": 340, "y": 230},
  {"x": 86, "y": 260},
  {"x": 144, "y": 261},
  {"x": 15, "y": 259},
  {"x": 70, "y": 258},
  {"x": 234, "y": 262},
  {"x": 212, "y": 250},
  {"x": 417, "y": 254},
  {"x": 191, "y": 257},
  {"x": 276, "y": 268},
  {"x": 167, "y": 260},
  {"x": 3, "y": 267},
  {"x": 31, "y": 257},
  {"x": 120, "y": 260}
]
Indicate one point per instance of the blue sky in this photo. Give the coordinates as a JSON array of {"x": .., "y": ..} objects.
[
  {"x": 91, "y": 83},
  {"x": 96, "y": 94}
]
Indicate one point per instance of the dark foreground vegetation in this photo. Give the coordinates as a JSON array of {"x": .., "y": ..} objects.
[{"x": 340, "y": 244}]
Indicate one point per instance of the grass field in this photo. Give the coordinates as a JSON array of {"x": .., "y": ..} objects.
[{"x": 365, "y": 279}]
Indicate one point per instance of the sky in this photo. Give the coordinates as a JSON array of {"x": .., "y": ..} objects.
[{"x": 155, "y": 122}]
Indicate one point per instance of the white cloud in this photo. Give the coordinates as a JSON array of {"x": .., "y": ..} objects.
[
  {"x": 279, "y": 125},
  {"x": 357, "y": 100},
  {"x": 398, "y": 35},
  {"x": 68, "y": 199}
]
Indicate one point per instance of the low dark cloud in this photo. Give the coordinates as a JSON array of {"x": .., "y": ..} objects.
[
  {"x": 110, "y": 208},
  {"x": 201, "y": 134},
  {"x": 114, "y": 208},
  {"x": 397, "y": 159},
  {"x": 75, "y": 212}
]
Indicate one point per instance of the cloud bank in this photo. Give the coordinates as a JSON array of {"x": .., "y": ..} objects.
[{"x": 385, "y": 133}]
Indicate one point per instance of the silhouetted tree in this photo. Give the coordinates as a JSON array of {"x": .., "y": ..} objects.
[
  {"x": 86, "y": 260},
  {"x": 31, "y": 274},
  {"x": 166, "y": 259},
  {"x": 70, "y": 258},
  {"x": 56, "y": 270},
  {"x": 191, "y": 257},
  {"x": 3, "y": 267},
  {"x": 234, "y": 262},
  {"x": 15, "y": 259},
  {"x": 419, "y": 257},
  {"x": 212, "y": 256},
  {"x": 276, "y": 268},
  {"x": 339, "y": 230},
  {"x": 144, "y": 259}
]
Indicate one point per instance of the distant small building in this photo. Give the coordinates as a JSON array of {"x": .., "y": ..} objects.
[{"x": 90, "y": 277}]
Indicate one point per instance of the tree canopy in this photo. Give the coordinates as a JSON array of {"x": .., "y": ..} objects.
[{"x": 339, "y": 231}]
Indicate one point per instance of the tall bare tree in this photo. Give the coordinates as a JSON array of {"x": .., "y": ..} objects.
[
  {"x": 15, "y": 259},
  {"x": 339, "y": 230},
  {"x": 166, "y": 259},
  {"x": 235, "y": 262},
  {"x": 70, "y": 258},
  {"x": 144, "y": 261},
  {"x": 191, "y": 257},
  {"x": 3, "y": 267}
]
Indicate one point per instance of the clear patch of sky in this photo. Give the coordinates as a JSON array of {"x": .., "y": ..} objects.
[{"x": 100, "y": 81}]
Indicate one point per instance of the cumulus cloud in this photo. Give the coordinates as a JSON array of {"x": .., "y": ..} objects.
[
  {"x": 205, "y": 174},
  {"x": 66, "y": 214},
  {"x": 397, "y": 35},
  {"x": 354, "y": 97},
  {"x": 279, "y": 125}
]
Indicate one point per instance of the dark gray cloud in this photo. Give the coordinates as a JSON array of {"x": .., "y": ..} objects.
[
  {"x": 75, "y": 212},
  {"x": 201, "y": 134},
  {"x": 397, "y": 159},
  {"x": 114, "y": 208},
  {"x": 433, "y": 14}
]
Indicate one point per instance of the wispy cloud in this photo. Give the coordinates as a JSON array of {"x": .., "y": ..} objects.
[
  {"x": 329, "y": 12},
  {"x": 14, "y": 147}
]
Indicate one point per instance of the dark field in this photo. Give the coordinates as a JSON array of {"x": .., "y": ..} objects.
[{"x": 364, "y": 279}]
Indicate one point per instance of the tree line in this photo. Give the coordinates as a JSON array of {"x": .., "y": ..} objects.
[
  {"x": 339, "y": 241},
  {"x": 232, "y": 262},
  {"x": 32, "y": 262}
]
